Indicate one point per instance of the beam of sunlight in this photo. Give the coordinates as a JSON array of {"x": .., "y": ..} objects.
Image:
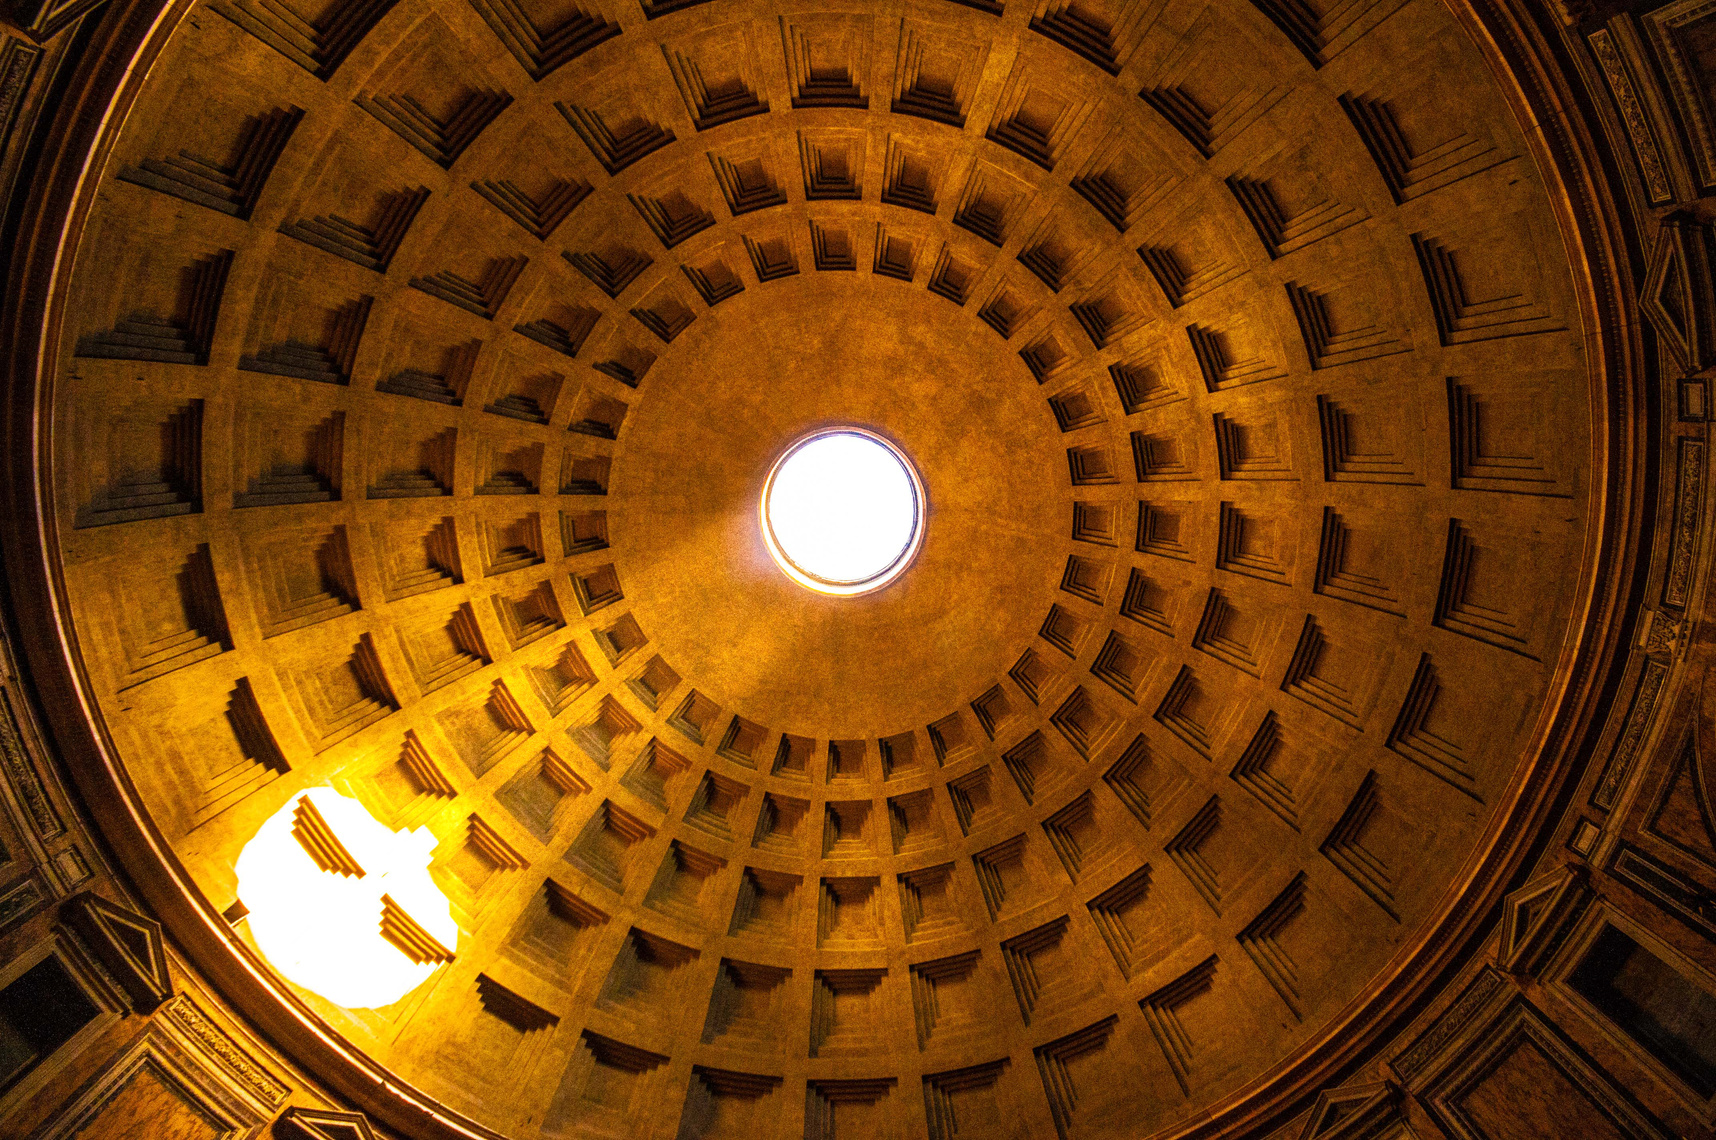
[{"x": 314, "y": 877}]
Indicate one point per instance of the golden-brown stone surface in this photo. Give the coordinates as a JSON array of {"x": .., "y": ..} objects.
[{"x": 409, "y": 437}]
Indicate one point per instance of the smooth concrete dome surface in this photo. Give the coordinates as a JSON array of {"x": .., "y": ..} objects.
[{"x": 410, "y": 433}]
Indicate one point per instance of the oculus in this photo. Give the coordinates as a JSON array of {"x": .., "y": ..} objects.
[{"x": 843, "y": 511}]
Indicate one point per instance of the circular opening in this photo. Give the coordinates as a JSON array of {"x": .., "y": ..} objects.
[{"x": 842, "y": 511}]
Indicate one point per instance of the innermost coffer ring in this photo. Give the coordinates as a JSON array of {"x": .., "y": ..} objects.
[{"x": 842, "y": 511}]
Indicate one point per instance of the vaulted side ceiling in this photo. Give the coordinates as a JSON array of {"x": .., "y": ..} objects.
[{"x": 427, "y": 361}]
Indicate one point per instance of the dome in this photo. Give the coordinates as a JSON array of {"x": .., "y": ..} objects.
[{"x": 421, "y": 374}]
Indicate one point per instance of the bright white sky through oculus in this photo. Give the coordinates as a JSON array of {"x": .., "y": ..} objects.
[{"x": 842, "y": 508}]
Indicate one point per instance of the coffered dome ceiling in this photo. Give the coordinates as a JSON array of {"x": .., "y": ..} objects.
[{"x": 425, "y": 364}]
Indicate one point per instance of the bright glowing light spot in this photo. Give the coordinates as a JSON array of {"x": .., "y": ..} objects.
[
  {"x": 323, "y": 929},
  {"x": 843, "y": 512}
]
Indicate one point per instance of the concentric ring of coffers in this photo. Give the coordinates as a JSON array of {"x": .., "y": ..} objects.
[{"x": 408, "y": 588}]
